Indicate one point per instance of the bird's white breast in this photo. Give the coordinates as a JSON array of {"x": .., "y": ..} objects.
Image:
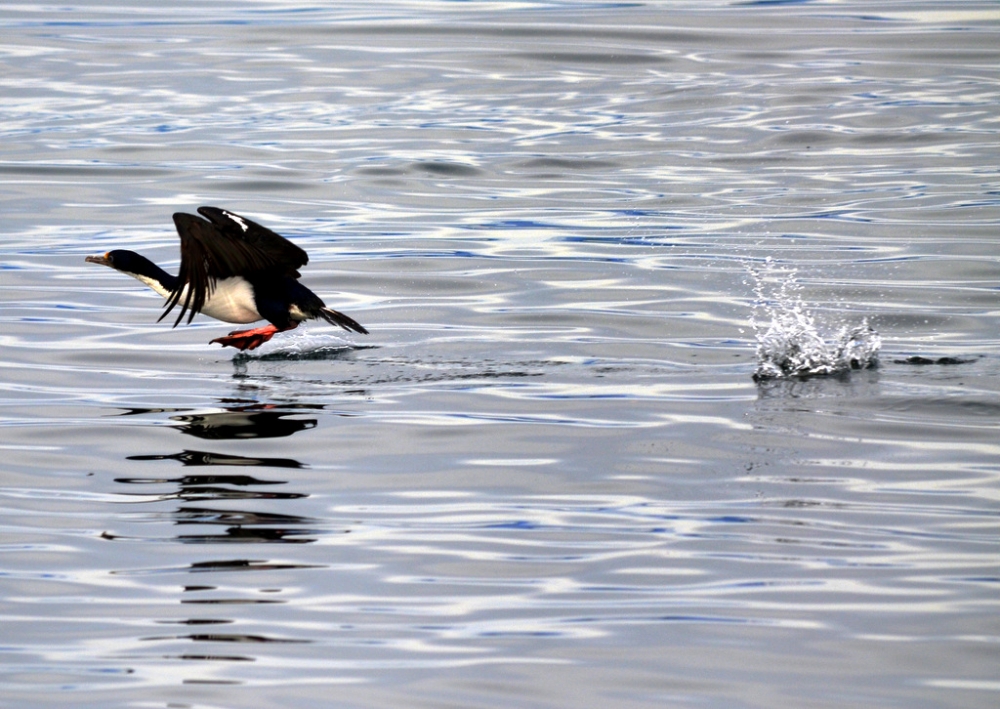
[{"x": 231, "y": 301}]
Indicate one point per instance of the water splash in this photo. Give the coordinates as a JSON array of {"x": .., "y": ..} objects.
[
  {"x": 300, "y": 346},
  {"x": 790, "y": 343}
]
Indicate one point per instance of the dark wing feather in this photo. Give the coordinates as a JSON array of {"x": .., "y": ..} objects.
[
  {"x": 227, "y": 245},
  {"x": 194, "y": 269},
  {"x": 276, "y": 249}
]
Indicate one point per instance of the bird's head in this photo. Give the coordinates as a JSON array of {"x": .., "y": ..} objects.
[
  {"x": 139, "y": 267},
  {"x": 120, "y": 260}
]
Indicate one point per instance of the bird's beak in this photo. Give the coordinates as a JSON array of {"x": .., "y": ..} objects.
[{"x": 103, "y": 260}]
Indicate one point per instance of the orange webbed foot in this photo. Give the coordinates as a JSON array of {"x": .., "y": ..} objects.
[{"x": 249, "y": 339}]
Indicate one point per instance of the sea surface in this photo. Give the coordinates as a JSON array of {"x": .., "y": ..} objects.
[{"x": 683, "y": 380}]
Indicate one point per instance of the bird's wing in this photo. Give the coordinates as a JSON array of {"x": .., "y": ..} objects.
[
  {"x": 227, "y": 245},
  {"x": 252, "y": 238}
]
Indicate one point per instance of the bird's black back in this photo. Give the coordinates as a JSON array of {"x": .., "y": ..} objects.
[{"x": 248, "y": 242}]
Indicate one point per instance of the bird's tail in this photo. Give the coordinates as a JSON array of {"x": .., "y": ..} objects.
[{"x": 337, "y": 318}]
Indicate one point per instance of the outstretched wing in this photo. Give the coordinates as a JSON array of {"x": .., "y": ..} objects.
[
  {"x": 224, "y": 246},
  {"x": 247, "y": 242}
]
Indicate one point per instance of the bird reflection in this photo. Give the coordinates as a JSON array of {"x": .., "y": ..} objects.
[
  {"x": 217, "y": 637},
  {"x": 242, "y": 565},
  {"x": 240, "y": 421},
  {"x": 196, "y": 458},
  {"x": 244, "y": 527},
  {"x": 214, "y": 491},
  {"x": 236, "y": 424},
  {"x": 239, "y": 525},
  {"x": 214, "y": 487}
]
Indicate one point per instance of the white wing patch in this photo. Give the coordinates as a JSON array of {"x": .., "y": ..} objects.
[{"x": 243, "y": 224}]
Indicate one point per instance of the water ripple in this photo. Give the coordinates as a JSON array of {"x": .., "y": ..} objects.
[{"x": 547, "y": 477}]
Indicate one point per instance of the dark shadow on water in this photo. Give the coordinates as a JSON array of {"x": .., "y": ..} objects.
[{"x": 919, "y": 360}]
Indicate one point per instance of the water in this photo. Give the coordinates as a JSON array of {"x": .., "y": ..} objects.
[{"x": 548, "y": 477}]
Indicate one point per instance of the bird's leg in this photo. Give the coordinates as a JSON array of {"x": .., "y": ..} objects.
[{"x": 251, "y": 339}]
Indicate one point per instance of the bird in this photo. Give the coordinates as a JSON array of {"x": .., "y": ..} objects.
[{"x": 234, "y": 270}]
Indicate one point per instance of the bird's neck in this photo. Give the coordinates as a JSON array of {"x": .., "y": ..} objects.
[{"x": 153, "y": 276}]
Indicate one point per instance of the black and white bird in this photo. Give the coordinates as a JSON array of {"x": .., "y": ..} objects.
[{"x": 234, "y": 270}]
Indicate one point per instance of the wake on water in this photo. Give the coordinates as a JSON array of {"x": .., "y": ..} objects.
[
  {"x": 300, "y": 346},
  {"x": 789, "y": 340}
]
